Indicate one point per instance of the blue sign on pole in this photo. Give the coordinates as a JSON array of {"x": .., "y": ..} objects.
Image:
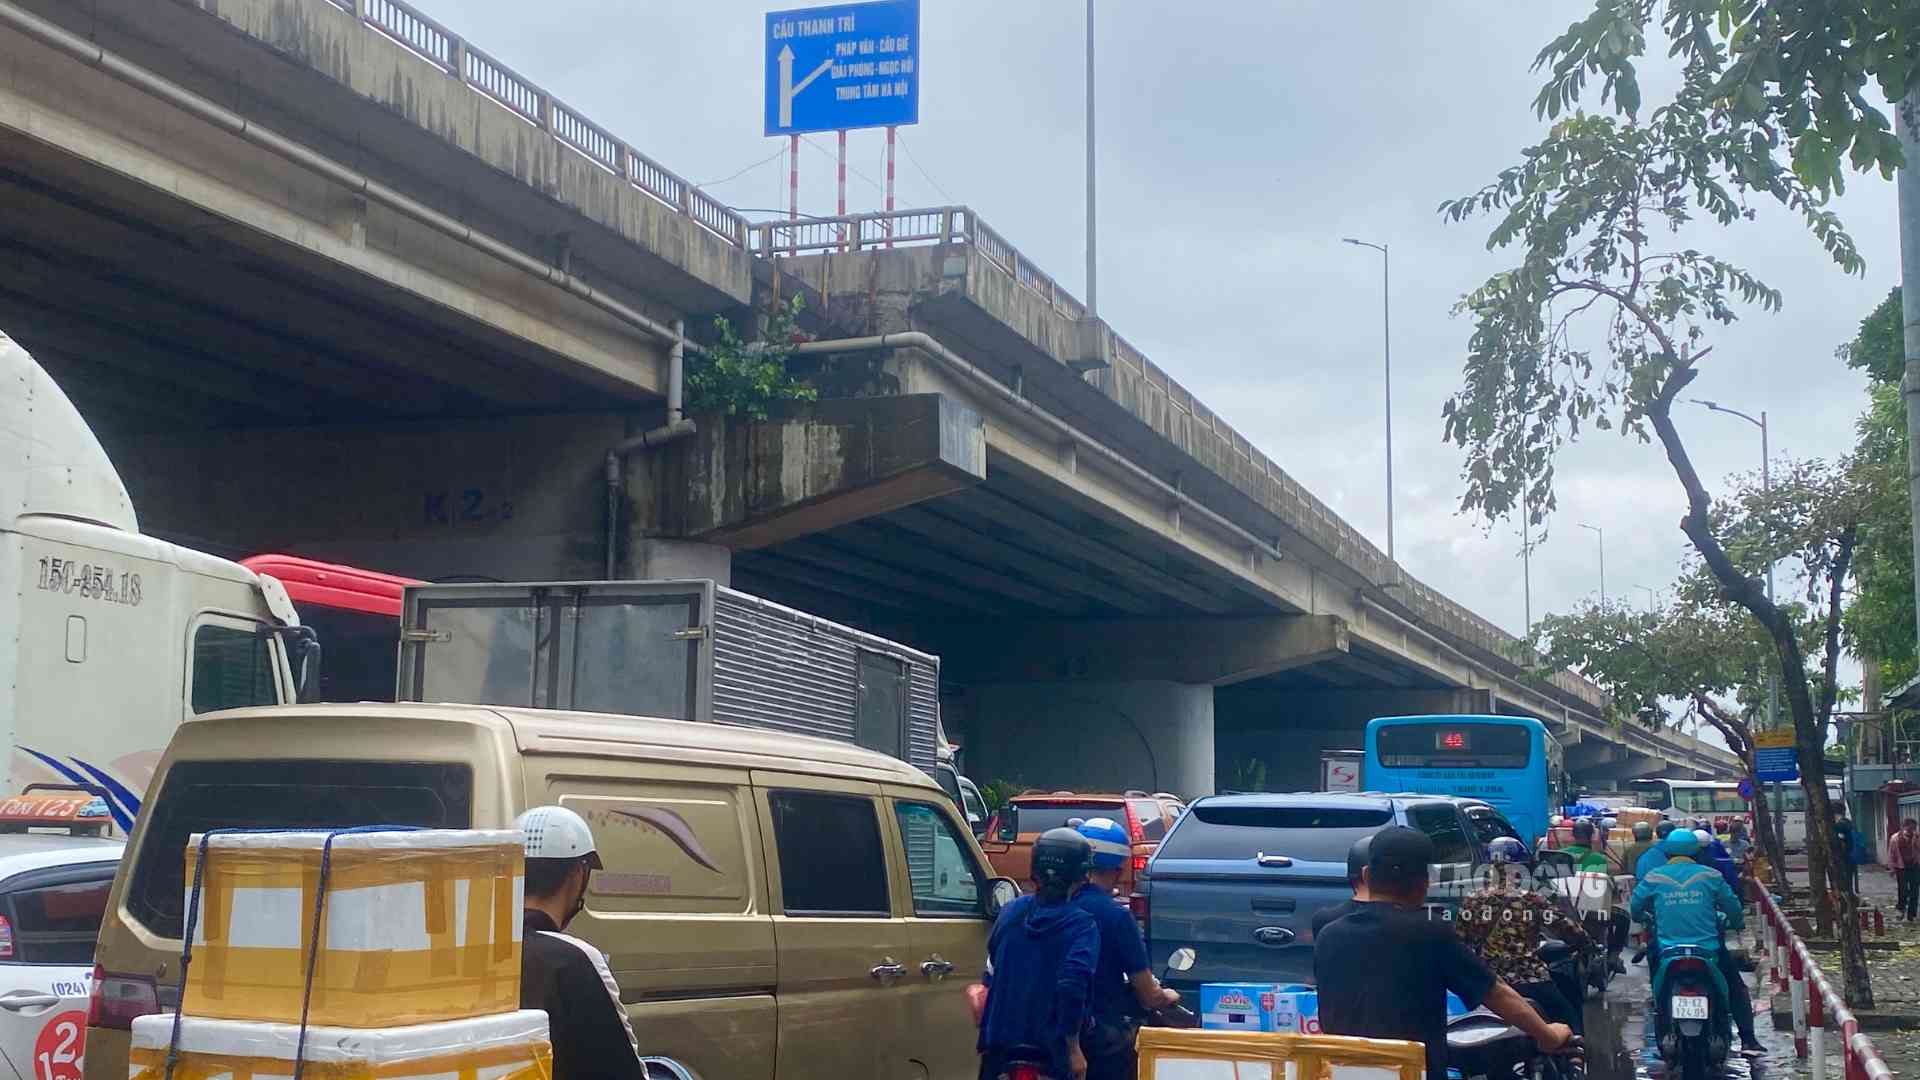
[
  {"x": 1776, "y": 764},
  {"x": 842, "y": 67}
]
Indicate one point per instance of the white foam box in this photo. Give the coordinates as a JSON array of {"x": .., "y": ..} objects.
[
  {"x": 418, "y": 927},
  {"x": 507, "y": 1046}
]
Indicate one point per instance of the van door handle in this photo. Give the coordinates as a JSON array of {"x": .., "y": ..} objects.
[
  {"x": 27, "y": 999},
  {"x": 888, "y": 971},
  {"x": 935, "y": 968}
]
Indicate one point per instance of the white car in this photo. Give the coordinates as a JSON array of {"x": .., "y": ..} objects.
[{"x": 53, "y": 892}]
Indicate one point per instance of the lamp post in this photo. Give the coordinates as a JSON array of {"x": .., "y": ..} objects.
[
  {"x": 1650, "y": 598},
  {"x": 1766, "y": 485},
  {"x": 1601, "y": 533},
  {"x": 1093, "y": 291},
  {"x": 1386, "y": 337}
]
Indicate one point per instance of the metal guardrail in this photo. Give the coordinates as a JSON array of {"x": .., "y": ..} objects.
[
  {"x": 1816, "y": 1005},
  {"x": 451, "y": 53}
]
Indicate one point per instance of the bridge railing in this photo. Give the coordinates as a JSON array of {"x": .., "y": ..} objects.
[{"x": 521, "y": 96}]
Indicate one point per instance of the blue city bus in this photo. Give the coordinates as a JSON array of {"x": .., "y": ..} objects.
[{"x": 1511, "y": 762}]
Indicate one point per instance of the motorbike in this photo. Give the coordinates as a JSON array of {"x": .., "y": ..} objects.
[
  {"x": 1480, "y": 1044},
  {"x": 1176, "y": 1015},
  {"x": 1694, "y": 1024}
]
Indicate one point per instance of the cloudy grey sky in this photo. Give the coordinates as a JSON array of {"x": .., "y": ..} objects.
[{"x": 1238, "y": 142}]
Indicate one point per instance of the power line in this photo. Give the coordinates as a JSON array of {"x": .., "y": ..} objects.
[
  {"x": 923, "y": 172},
  {"x": 715, "y": 183}
]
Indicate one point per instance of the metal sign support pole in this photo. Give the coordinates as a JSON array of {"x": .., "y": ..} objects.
[
  {"x": 842, "y": 202},
  {"x": 890, "y": 130},
  {"x": 793, "y": 193}
]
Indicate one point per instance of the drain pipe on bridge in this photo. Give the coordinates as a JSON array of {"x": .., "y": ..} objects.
[{"x": 677, "y": 427}]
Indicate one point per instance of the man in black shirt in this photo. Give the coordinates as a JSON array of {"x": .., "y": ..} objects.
[
  {"x": 1356, "y": 878},
  {"x": 1384, "y": 971}
]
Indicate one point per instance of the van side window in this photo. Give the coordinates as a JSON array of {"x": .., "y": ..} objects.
[
  {"x": 232, "y": 668},
  {"x": 831, "y": 859},
  {"x": 946, "y": 879}
]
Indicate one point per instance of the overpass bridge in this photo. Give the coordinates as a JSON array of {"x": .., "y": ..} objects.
[{"x": 331, "y": 279}]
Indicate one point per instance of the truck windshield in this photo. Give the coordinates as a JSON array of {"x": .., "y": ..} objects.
[
  {"x": 202, "y": 795},
  {"x": 1302, "y": 833}
]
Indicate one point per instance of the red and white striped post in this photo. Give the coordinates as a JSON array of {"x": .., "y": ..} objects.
[
  {"x": 841, "y": 203},
  {"x": 1819, "y": 994},
  {"x": 793, "y": 194},
  {"x": 890, "y": 130},
  {"x": 1797, "y": 979}
]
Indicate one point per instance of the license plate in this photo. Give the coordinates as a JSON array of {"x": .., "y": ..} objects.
[{"x": 1690, "y": 1007}]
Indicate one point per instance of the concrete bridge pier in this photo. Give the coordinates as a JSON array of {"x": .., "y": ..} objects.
[
  {"x": 1154, "y": 735},
  {"x": 1269, "y": 735}
]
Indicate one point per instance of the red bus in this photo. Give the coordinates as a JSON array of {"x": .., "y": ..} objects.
[{"x": 356, "y": 614}]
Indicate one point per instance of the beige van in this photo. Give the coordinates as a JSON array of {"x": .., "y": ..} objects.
[{"x": 773, "y": 906}]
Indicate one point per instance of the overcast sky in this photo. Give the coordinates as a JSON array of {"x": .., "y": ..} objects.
[{"x": 1238, "y": 142}]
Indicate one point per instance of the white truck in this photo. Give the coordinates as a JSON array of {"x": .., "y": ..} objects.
[{"x": 108, "y": 639}]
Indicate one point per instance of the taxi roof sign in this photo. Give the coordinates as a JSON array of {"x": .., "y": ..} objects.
[{"x": 75, "y": 810}]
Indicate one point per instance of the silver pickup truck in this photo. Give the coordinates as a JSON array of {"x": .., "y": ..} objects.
[{"x": 1240, "y": 877}]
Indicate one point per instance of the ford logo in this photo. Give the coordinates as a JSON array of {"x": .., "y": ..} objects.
[{"x": 1273, "y": 935}]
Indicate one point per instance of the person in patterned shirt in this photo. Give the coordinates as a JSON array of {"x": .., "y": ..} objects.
[{"x": 1505, "y": 923}]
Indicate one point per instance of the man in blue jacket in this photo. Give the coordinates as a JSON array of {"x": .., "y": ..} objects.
[
  {"x": 1686, "y": 902},
  {"x": 1124, "y": 989},
  {"x": 1040, "y": 956},
  {"x": 1655, "y": 855}
]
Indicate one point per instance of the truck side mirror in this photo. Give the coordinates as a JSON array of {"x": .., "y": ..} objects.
[{"x": 1009, "y": 824}]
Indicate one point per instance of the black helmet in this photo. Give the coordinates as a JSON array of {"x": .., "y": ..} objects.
[
  {"x": 1061, "y": 857},
  {"x": 1357, "y": 856}
]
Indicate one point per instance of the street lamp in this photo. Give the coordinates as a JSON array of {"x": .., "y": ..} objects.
[
  {"x": 1386, "y": 337},
  {"x": 1597, "y": 531},
  {"x": 1650, "y": 598},
  {"x": 1766, "y": 485}
]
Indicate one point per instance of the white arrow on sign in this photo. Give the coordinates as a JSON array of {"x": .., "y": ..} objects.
[{"x": 788, "y": 89}]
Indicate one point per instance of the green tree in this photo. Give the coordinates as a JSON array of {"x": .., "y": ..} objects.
[
  {"x": 1606, "y": 318},
  {"x": 737, "y": 377},
  {"x": 1692, "y": 654},
  {"x": 1880, "y": 620}
]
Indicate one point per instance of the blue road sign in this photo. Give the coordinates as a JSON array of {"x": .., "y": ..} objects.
[
  {"x": 1776, "y": 764},
  {"x": 842, "y": 67}
]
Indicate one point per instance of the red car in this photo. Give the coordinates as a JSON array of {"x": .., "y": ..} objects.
[{"x": 1014, "y": 827}]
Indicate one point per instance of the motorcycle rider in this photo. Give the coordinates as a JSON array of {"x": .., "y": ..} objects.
[
  {"x": 1686, "y": 902},
  {"x": 1585, "y": 858},
  {"x": 1642, "y": 840},
  {"x": 1505, "y": 923},
  {"x": 1384, "y": 971},
  {"x": 1124, "y": 989},
  {"x": 1656, "y": 854},
  {"x": 1041, "y": 957}
]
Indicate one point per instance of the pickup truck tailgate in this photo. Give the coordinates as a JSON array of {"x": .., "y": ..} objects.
[{"x": 1240, "y": 886}]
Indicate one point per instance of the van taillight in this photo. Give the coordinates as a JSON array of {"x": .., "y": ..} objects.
[
  {"x": 1139, "y": 864},
  {"x": 118, "y": 999}
]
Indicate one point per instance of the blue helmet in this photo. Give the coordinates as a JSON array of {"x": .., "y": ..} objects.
[
  {"x": 1506, "y": 849},
  {"x": 1683, "y": 843},
  {"x": 1111, "y": 844}
]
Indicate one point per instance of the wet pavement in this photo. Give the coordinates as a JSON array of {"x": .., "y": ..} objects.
[{"x": 1620, "y": 1040}]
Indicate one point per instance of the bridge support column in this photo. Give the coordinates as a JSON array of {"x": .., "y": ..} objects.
[
  {"x": 1269, "y": 738},
  {"x": 1090, "y": 736}
]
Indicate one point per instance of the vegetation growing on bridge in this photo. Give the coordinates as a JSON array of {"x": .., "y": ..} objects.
[{"x": 738, "y": 377}]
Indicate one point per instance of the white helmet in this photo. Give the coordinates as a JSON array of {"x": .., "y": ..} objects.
[
  {"x": 555, "y": 832},
  {"x": 1705, "y": 836}
]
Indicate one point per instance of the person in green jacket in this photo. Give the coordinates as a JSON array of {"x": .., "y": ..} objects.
[{"x": 1585, "y": 859}]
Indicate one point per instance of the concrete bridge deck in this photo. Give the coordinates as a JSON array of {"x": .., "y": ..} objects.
[{"x": 399, "y": 300}]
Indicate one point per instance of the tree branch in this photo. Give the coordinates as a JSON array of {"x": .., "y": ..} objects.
[{"x": 1830, "y": 662}]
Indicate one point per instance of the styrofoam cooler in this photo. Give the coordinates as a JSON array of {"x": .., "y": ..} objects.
[
  {"x": 418, "y": 927},
  {"x": 507, "y": 1046}
]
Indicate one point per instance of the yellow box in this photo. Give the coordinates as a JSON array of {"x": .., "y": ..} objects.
[
  {"x": 510, "y": 1046},
  {"x": 417, "y": 927},
  {"x": 1168, "y": 1054}
]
